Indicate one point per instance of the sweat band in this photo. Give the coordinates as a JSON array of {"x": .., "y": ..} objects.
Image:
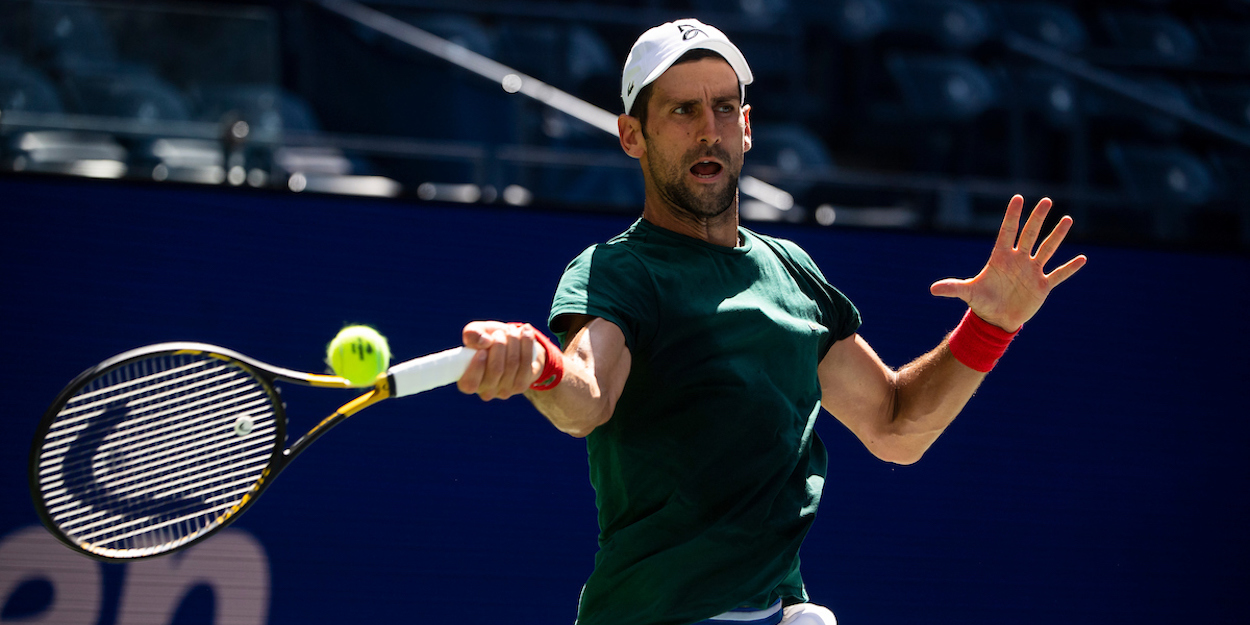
[
  {"x": 978, "y": 343},
  {"x": 553, "y": 370}
]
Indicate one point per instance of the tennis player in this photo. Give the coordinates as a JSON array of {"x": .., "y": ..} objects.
[{"x": 697, "y": 355}]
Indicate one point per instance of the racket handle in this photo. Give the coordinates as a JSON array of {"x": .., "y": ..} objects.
[{"x": 429, "y": 372}]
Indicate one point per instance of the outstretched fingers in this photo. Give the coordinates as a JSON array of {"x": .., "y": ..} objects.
[
  {"x": 1050, "y": 245},
  {"x": 1011, "y": 224},
  {"x": 1065, "y": 271},
  {"x": 1046, "y": 251},
  {"x": 1033, "y": 227}
]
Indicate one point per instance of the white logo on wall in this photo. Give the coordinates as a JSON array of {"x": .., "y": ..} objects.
[{"x": 232, "y": 563}]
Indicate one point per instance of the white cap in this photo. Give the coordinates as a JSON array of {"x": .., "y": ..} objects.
[{"x": 657, "y": 49}]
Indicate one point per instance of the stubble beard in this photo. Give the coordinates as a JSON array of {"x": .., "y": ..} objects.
[{"x": 706, "y": 203}]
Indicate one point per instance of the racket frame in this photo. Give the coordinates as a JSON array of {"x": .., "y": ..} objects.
[{"x": 279, "y": 458}]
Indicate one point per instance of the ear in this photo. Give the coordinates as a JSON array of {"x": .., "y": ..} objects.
[
  {"x": 630, "y": 130},
  {"x": 746, "y": 131}
]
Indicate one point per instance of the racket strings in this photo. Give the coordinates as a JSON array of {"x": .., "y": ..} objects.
[
  {"x": 188, "y": 382},
  {"x": 154, "y": 433},
  {"x": 152, "y": 454},
  {"x": 164, "y": 436}
]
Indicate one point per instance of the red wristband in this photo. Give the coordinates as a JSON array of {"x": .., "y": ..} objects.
[
  {"x": 978, "y": 343},
  {"x": 553, "y": 371}
]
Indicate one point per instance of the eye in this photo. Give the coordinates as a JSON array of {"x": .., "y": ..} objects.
[{"x": 681, "y": 110}]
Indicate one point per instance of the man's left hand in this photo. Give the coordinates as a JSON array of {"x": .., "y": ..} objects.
[{"x": 1013, "y": 284}]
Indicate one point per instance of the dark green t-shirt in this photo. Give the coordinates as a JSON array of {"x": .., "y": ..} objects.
[{"x": 708, "y": 474}]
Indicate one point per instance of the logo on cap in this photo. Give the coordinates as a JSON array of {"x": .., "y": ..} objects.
[{"x": 689, "y": 31}]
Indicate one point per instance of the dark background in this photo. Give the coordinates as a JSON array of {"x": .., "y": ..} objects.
[
  {"x": 1099, "y": 476},
  {"x": 1134, "y": 115}
]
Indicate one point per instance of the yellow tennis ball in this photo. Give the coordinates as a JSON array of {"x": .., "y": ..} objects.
[{"x": 359, "y": 353}]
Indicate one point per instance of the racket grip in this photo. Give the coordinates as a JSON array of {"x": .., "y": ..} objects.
[{"x": 429, "y": 372}]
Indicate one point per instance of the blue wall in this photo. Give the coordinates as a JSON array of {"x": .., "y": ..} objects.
[{"x": 1100, "y": 475}]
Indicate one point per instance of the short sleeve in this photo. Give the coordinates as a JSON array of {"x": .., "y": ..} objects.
[
  {"x": 610, "y": 282},
  {"x": 840, "y": 315}
]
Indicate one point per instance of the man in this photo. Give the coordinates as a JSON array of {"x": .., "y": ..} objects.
[{"x": 697, "y": 355}]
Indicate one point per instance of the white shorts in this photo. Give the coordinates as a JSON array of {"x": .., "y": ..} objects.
[{"x": 808, "y": 614}]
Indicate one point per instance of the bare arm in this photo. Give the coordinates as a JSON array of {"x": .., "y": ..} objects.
[
  {"x": 899, "y": 414},
  {"x": 596, "y": 364},
  {"x": 896, "y": 414}
]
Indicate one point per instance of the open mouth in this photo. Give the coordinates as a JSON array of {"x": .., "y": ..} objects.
[{"x": 706, "y": 169}]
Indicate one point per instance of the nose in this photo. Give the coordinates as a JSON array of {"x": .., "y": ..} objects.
[{"x": 709, "y": 131}]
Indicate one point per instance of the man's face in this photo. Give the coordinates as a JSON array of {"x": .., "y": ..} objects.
[{"x": 696, "y": 134}]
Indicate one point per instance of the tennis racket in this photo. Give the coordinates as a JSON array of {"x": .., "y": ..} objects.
[{"x": 157, "y": 448}]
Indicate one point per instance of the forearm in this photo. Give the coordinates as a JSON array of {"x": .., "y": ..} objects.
[
  {"x": 595, "y": 363},
  {"x": 897, "y": 415},
  {"x": 579, "y": 404},
  {"x": 928, "y": 394},
  {"x": 934, "y": 389}
]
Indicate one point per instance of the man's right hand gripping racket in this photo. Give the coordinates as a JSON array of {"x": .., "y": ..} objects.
[{"x": 157, "y": 448}]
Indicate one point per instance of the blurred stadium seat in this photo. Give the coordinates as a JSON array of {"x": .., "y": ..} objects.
[
  {"x": 589, "y": 55},
  {"x": 68, "y": 32},
  {"x": 1234, "y": 168},
  {"x": 25, "y": 89},
  {"x": 1227, "y": 41},
  {"x": 1228, "y": 100},
  {"x": 942, "y": 87},
  {"x": 93, "y": 154},
  {"x": 1169, "y": 183},
  {"x": 125, "y": 91},
  {"x": 441, "y": 101},
  {"x": 1148, "y": 38},
  {"x": 462, "y": 30},
  {"x": 556, "y": 53},
  {"x": 1048, "y": 91},
  {"x": 862, "y": 19},
  {"x": 952, "y": 24},
  {"x": 791, "y": 149},
  {"x": 760, "y": 12},
  {"x": 573, "y": 58},
  {"x": 122, "y": 90},
  {"x": 1162, "y": 175},
  {"x": 267, "y": 109},
  {"x": 1120, "y": 117},
  {"x": 268, "y": 112},
  {"x": 272, "y": 114},
  {"x": 1052, "y": 24}
]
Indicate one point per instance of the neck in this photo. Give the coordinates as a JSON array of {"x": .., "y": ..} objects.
[{"x": 721, "y": 229}]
